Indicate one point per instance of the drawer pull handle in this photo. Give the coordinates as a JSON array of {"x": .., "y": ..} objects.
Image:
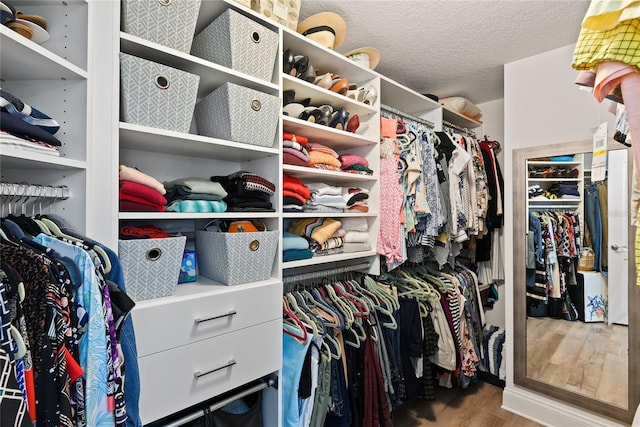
[
  {"x": 229, "y": 314},
  {"x": 198, "y": 374}
]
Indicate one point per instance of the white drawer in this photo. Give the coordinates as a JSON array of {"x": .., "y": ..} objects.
[
  {"x": 176, "y": 321},
  {"x": 178, "y": 378}
]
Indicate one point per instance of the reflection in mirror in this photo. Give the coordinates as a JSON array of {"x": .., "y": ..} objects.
[{"x": 571, "y": 303}]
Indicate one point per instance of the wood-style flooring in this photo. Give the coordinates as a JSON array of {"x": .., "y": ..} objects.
[
  {"x": 586, "y": 358},
  {"x": 477, "y": 406}
]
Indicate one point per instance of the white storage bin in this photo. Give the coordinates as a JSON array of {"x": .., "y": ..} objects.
[
  {"x": 156, "y": 95},
  {"x": 239, "y": 114},
  {"x": 235, "y": 258},
  {"x": 171, "y": 23},
  {"x": 239, "y": 43},
  {"x": 151, "y": 266}
]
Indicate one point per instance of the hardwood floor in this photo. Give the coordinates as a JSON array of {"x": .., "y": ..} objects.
[
  {"x": 477, "y": 406},
  {"x": 587, "y": 358}
]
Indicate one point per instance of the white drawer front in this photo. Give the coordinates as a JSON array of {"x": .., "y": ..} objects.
[
  {"x": 180, "y": 321},
  {"x": 181, "y": 377}
]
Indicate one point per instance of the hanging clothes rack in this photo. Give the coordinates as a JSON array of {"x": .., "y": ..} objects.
[
  {"x": 15, "y": 195},
  {"x": 319, "y": 274},
  {"x": 458, "y": 128},
  {"x": 396, "y": 112},
  {"x": 194, "y": 416}
]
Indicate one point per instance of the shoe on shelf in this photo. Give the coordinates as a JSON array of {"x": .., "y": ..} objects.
[
  {"x": 288, "y": 60},
  {"x": 353, "y": 124},
  {"x": 324, "y": 81},
  {"x": 368, "y": 95},
  {"x": 288, "y": 96},
  {"x": 339, "y": 119},
  {"x": 300, "y": 65},
  {"x": 293, "y": 109},
  {"x": 309, "y": 75},
  {"x": 339, "y": 85}
]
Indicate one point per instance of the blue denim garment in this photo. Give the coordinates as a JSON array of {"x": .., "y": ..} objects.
[
  {"x": 392, "y": 343},
  {"x": 536, "y": 228}
]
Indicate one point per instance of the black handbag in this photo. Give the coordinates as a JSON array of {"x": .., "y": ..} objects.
[{"x": 250, "y": 416}]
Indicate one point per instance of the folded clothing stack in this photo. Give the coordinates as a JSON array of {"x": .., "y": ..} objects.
[
  {"x": 356, "y": 235},
  {"x": 357, "y": 199},
  {"x": 247, "y": 192},
  {"x": 536, "y": 192},
  {"x": 133, "y": 232},
  {"x": 323, "y": 157},
  {"x": 565, "y": 190},
  {"x": 319, "y": 232},
  {"x": 353, "y": 163},
  {"x": 195, "y": 195},
  {"x": 295, "y": 194},
  {"x": 140, "y": 192},
  {"x": 325, "y": 198},
  {"x": 27, "y": 128},
  {"x": 294, "y": 150},
  {"x": 295, "y": 247}
]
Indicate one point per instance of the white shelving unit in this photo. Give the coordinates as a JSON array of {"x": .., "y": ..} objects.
[
  {"x": 256, "y": 307},
  {"x": 53, "y": 78},
  {"x": 545, "y": 183},
  {"x": 365, "y": 144}
]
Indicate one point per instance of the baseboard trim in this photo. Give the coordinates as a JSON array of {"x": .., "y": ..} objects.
[{"x": 550, "y": 412}]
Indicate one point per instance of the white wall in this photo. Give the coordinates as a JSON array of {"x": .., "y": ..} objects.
[
  {"x": 493, "y": 128},
  {"x": 542, "y": 106}
]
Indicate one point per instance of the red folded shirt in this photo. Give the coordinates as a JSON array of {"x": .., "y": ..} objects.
[
  {"x": 302, "y": 140},
  {"x": 127, "y": 206},
  {"x": 151, "y": 195}
]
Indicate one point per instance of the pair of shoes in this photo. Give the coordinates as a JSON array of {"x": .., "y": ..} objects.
[
  {"x": 289, "y": 95},
  {"x": 367, "y": 95},
  {"x": 332, "y": 82},
  {"x": 298, "y": 66},
  {"x": 33, "y": 27},
  {"x": 321, "y": 115}
]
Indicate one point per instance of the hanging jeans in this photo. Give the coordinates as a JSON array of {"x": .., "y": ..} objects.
[{"x": 594, "y": 221}]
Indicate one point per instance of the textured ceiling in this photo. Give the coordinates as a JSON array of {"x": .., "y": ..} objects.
[{"x": 453, "y": 48}]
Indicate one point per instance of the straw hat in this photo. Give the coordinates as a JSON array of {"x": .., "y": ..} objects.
[
  {"x": 366, "y": 56},
  {"x": 325, "y": 28}
]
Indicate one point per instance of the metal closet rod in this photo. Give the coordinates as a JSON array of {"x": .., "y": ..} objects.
[
  {"x": 407, "y": 116},
  {"x": 24, "y": 189},
  {"x": 324, "y": 273},
  {"x": 459, "y": 128},
  {"x": 260, "y": 386}
]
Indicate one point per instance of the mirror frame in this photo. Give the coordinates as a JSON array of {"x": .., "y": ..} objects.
[{"x": 586, "y": 403}]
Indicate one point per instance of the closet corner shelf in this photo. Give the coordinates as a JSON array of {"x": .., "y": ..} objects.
[
  {"x": 321, "y": 96},
  {"x": 203, "y": 287},
  {"x": 22, "y": 59},
  {"x": 212, "y": 75},
  {"x": 326, "y": 259},
  {"x": 325, "y": 60},
  {"x": 336, "y": 139},
  {"x": 459, "y": 119},
  {"x": 155, "y": 140},
  {"x": 187, "y": 215},
  {"x": 405, "y": 99},
  {"x": 329, "y": 215},
  {"x": 326, "y": 176},
  {"x": 20, "y": 159}
]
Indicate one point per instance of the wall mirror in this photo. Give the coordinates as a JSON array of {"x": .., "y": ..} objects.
[{"x": 586, "y": 357}]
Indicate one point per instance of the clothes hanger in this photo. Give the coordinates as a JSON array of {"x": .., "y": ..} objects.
[{"x": 298, "y": 325}]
